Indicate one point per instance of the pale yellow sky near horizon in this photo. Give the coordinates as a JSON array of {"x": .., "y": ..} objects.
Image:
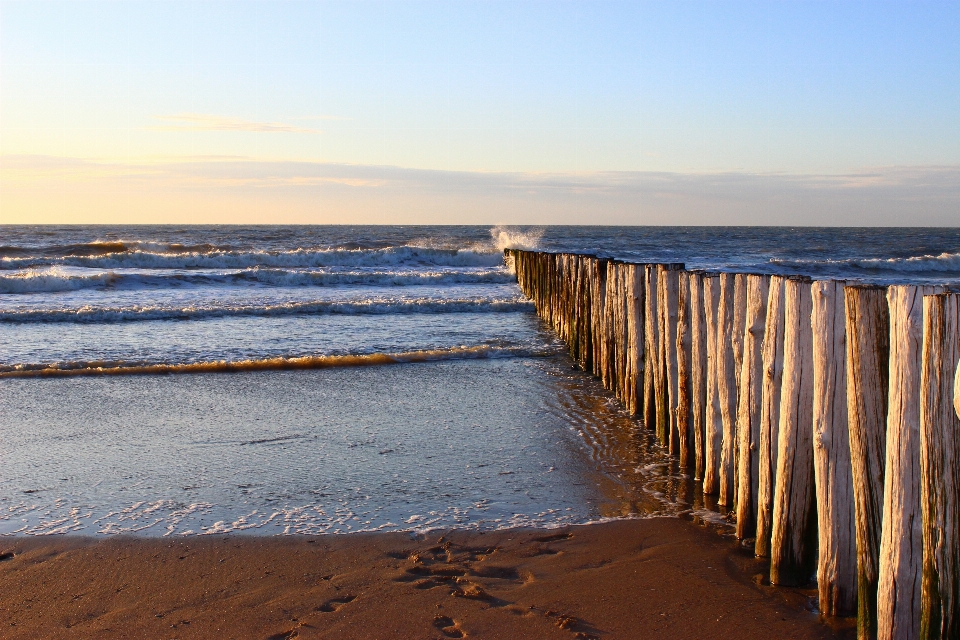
[{"x": 36, "y": 190}]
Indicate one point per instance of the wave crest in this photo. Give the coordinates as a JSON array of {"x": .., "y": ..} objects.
[
  {"x": 945, "y": 262},
  {"x": 90, "y": 314},
  {"x": 54, "y": 279},
  {"x": 302, "y": 258},
  {"x": 507, "y": 238}
]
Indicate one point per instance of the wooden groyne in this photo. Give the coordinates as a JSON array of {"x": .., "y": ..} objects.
[{"x": 824, "y": 414}]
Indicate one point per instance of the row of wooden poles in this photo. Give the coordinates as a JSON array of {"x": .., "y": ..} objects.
[{"x": 820, "y": 412}]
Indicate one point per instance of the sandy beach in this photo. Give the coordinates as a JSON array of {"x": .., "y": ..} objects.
[{"x": 653, "y": 578}]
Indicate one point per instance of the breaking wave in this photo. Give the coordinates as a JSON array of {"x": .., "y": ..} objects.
[
  {"x": 105, "y": 247},
  {"x": 945, "y": 262},
  {"x": 377, "y": 307},
  {"x": 53, "y": 279},
  {"x": 217, "y": 258},
  {"x": 507, "y": 238}
]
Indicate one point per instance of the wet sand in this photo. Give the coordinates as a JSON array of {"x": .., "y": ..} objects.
[{"x": 655, "y": 578}]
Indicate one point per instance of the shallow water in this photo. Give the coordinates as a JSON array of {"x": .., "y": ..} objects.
[{"x": 490, "y": 443}]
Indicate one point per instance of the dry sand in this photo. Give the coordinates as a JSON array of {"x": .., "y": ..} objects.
[{"x": 658, "y": 578}]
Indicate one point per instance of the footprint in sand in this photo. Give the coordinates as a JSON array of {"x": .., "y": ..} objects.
[
  {"x": 335, "y": 605},
  {"x": 448, "y": 627},
  {"x": 430, "y": 577},
  {"x": 554, "y": 538},
  {"x": 496, "y": 572}
]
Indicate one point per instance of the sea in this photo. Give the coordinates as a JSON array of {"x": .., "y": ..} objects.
[{"x": 194, "y": 380}]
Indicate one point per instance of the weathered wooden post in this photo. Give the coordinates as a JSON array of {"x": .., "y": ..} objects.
[
  {"x": 713, "y": 429},
  {"x": 636, "y": 338},
  {"x": 739, "y": 322},
  {"x": 770, "y": 413},
  {"x": 684, "y": 384},
  {"x": 569, "y": 265},
  {"x": 868, "y": 351},
  {"x": 598, "y": 282},
  {"x": 940, "y": 468},
  {"x": 837, "y": 565},
  {"x": 698, "y": 369},
  {"x": 608, "y": 328},
  {"x": 619, "y": 330},
  {"x": 651, "y": 375},
  {"x": 585, "y": 307},
  {"x": 727, "y": 386},
  {"x": 749, "y": 409},
  {"x": 623, "y": 333},
  {"x": 901, "y": 538},
  {"x": 668, "y": 276},
  {"x": 793, "y": 539}
]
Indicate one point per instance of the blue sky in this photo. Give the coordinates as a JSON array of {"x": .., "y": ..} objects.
[{"x": 514, "y": 88}]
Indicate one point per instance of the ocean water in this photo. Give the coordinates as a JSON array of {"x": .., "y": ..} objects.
[{"x": 426, "y": 393}]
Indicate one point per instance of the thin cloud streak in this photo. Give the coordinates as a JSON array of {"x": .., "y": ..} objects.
[{"x": 207, "y": 122}]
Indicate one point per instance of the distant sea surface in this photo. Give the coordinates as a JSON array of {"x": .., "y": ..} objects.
[{"x": 469, "y": 415}]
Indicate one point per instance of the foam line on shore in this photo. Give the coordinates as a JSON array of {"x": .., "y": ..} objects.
[{"x": 267, "y": 364}]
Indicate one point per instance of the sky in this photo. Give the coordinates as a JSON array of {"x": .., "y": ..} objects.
[{"x": 458, "y": 112}]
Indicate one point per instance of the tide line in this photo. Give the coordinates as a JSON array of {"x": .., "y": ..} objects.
[{"x": 268, "y": 364}]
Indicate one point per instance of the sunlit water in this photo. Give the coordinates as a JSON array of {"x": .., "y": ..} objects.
[{"x": 513, "y": 436}]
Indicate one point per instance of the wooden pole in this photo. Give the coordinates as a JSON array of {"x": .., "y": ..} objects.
[
  {"x": 617, "y": 330},
  {"x": 727, "y": 387},
  {"x": 739, "y": 324},
  {"x": 793, "y": 539},
  {"x": 669, "y": 279},
  {"x": 749, "y": 409},
  {"x": 698, "y": 369},
  {"x": 713, "y": 428},
  {"x": 868, "y": 353},
  {"x": 623, "y": 336},
  {"x": 901, "y": 538},
  {"x": 940, "y": 469},
  {"x": 652, "y": 348},
  {"x": 586, "y": 313},
  {"x": 837, "y": 565},
  {"x": 684, "y": 411},
  {"x": 663, "y": 381},
  {"x": 636, "y": 338},
  {"x": 598, "y": 282},
  {"x": 608, "y": 330},
  {"x": 770, "y": 413}
]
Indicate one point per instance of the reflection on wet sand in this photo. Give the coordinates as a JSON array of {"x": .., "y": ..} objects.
[{"x": 633, "y": 472}]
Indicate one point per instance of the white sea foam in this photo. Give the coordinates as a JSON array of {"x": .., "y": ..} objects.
[
  {"x": 507, "y": 238},
  {"x": 56, "y": 279},
  {"x": 220, "y": 259},
  {"x": 376, "y": 306},
  {"x": 51, "y": 279},
  {"x": 135, "y": 367},
  {"x": 166, "y": 518},
  {"x": 944, "y": 262}
]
